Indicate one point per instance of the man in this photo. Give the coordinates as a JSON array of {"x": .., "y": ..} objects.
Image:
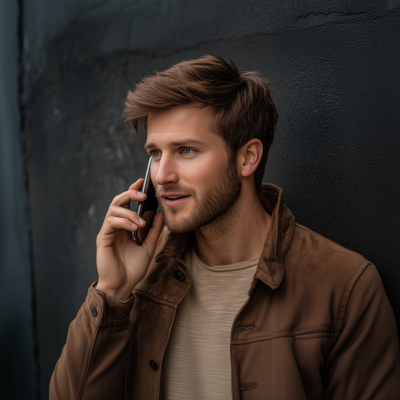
[{"x": 232, "y": 298}]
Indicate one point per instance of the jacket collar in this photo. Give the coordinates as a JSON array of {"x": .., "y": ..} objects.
[{"x": 270, "y": 268}]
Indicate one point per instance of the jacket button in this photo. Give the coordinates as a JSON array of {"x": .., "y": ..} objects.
[
  {"x": 179, "y": 275},
  {"x": 94, "y": 311},
  {"x": 153, "y": 365}
]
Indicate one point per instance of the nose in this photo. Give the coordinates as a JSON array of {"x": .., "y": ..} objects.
[{"x": 165, "y": 171}]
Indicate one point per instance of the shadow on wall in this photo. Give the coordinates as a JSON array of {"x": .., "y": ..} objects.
[{"x": 15, "y": 354}]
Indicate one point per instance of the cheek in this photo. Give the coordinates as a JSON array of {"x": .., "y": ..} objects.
[
  {"x": 204, "y": 171},
  {"x": 153, "y": 173}
]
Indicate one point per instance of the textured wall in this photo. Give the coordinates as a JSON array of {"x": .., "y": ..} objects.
[
  {"x": 17, "y": 367},
  {"x": 334, "y": 66}
]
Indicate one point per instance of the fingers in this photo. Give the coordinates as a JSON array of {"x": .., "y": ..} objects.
[
  {"x": 120, "y": 212},
  {"x": 133, "y": 193},
  {"x": 137, "y": 185},
  {"x": 118, "y": 217},
  {"x": 114, "y": 223}
]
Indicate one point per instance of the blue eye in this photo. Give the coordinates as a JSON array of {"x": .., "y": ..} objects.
[
  {"x": 155, "y": 153},
  {"x": 187, "y": 150}
]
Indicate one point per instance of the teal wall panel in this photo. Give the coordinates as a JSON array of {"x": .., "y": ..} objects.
[{"x": 17, "y": 366}]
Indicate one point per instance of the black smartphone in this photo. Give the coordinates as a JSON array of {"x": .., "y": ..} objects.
[{"x": 146, "y": 209}]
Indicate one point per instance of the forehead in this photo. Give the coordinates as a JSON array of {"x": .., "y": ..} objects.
[{"x": 181, "y": 119}]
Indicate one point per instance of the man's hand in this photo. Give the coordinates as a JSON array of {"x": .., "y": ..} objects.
[{"x": 121, "y": 262}]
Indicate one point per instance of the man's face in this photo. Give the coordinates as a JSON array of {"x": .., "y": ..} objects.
[{"x": 195, "y": 182}]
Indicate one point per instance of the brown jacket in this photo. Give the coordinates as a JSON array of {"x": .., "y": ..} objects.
[{"x": 317, "y": 325}]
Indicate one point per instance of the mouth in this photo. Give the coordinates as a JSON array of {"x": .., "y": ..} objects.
[{"x": 175, "y": 200}]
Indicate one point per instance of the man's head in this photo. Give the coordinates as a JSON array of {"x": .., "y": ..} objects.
[{"x": 208, "y": 128}]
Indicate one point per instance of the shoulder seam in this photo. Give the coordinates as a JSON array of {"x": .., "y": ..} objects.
[
  {"x": 330, "y": 240},
  {"x": 349, "y": 288}
]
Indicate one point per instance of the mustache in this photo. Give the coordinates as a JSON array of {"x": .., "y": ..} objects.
[{"x": 174, "y": 189}]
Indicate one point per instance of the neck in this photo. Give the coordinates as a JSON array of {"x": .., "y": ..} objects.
[{"x": 237, "y": 236}]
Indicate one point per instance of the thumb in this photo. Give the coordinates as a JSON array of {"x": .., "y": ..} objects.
[{"x": 154, "y": 233}]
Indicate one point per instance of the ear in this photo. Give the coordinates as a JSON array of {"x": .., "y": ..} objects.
[{"x": 249, "y": 156}]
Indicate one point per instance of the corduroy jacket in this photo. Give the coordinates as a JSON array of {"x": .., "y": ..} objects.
[{"x": 317, "y": 325}]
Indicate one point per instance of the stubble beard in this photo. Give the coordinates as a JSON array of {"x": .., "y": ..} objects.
[{"x": 212, "y": 210}]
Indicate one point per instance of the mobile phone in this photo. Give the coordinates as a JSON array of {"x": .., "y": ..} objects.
[{"x": 146, "y": 209}]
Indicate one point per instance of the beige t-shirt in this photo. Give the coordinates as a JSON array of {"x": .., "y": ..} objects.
[{"x": 197, "y": 361}]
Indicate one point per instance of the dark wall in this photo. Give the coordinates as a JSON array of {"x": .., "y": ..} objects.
[{"x": 334, "y": 66}]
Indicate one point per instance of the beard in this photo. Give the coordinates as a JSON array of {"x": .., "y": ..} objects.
[{"x": 210, "y": 209}]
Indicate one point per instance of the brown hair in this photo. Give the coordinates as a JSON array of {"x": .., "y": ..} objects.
[{"x": 242, "y": 102}]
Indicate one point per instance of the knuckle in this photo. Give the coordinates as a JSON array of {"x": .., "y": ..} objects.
[
  {"x": 98, "y": 239},
  {"x": 112, "y": 209}
]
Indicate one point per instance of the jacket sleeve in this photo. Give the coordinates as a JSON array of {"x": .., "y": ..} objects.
[
  {"x": 92, "y": 362},
  {"x": 364, "y": 363}
]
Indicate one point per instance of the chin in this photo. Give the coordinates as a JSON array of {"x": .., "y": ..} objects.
[{"x": 181, "y": 224}]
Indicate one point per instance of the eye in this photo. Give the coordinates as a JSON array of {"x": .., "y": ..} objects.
[
  {"x": 155, "y": 153},
  {"x": 187, "y": 150}
]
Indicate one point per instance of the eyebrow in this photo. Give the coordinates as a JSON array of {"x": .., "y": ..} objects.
[{"x": 177, "y": 143}]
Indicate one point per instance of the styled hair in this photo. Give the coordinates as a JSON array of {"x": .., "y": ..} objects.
[{"x": 241, "y": 102}]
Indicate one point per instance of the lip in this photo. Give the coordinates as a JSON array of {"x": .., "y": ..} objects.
[{"x": 173, "y": 203}]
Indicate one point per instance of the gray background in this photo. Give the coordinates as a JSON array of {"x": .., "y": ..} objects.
[{"x": 335, "y": 69}]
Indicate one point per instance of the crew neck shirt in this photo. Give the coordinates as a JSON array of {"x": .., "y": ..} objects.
[{"x": 197, "y": 364}]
